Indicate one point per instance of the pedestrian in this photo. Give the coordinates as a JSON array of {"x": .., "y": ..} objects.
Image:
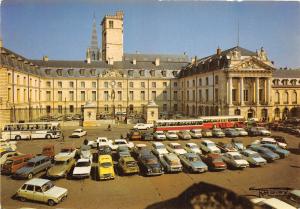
[{"x": 62, "y": 137}]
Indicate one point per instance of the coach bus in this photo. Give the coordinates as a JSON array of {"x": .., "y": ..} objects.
[
  {"x": 178, "y": 125},
  {"x": 32, "y": 130},
  {"x": 223, "y": 121}
]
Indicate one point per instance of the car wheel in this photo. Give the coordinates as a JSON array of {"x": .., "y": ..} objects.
[
  {"x": 48, "y": 136},
  {"x": 22, "y": 199},
  {"x": 30, "y": 175},
  {"x": 51, "y": 202},
  {"x": 17, "y": 138}
]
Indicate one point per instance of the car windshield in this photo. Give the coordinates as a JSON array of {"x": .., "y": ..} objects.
[
  {"x": 47, "y": 186},
  {"x": 106, "y": 165},
  {"x": 210, "y": 144},
  {"x": 237, "y": 157},
  {"x": 177, "y": 146},
  {"x": 60, "y": 162},
  {"x": 193, "y": 146},
  {"x": 160, "y": 147},
  {"x": 8, "y": 162},
  {"x": 159, "y": 133},
  {"x": 171, "y": 132},
  {"x": 194, "y": 159},
  {"x": 82, "y": 164},
  {"x": 30, "y": 164},
  {"x": 240, "y": 129},
  {"x": 151, "y": 161},
  {"x": 120, "y": 142},
  {"x": 217, "y": 160},
  {"x": 255, "y": 155},
  {"x": 175, "y": 162},
  {"x": 131, "y": 164},
  {"x": 77, "y": 131}
]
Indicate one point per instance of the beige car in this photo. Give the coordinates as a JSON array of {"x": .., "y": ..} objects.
[{"x": 62, "y": 166}]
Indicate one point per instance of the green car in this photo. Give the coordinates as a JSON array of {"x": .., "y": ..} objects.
[
  {"x": 41, "y": 190},
  {"x": 128, "y": 165},
  {"x": 62, "y": 166}
]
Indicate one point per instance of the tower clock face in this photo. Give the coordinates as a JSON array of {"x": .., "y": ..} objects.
[{"x": 113, "y": 83}]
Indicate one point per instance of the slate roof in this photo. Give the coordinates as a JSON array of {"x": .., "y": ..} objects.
[{"x": 293, "y": 73}]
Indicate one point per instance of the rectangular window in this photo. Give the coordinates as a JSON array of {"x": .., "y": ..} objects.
[
  {"x": 9, "y": 94},
  {"x": 120, "y": 84},
  {"x": 153, "y": 84},
  {"x": 111, "y": 24},
  {"x": 59, "y": 95},
  {"x": 165, "y": 107},
  {"x": 216, "y": 95},
  {"x": 59, "y": 108},
  {"x": 48, "y": 84},
  {"x": 187, "y": 95},
  {"x": 105, "y": 84},
  {"x": 131, "y": 95},
  {"x": 71, "y": 108},
  {"x": 18, "y": 79},
  {"x": 143, "y": 84},
  {"x": 36, "y": 95},
  {"x": 82, "y": 84},
  {"x": 131, "y": 84},
  {"x": 71, "y": 84},
  {"x": 194, "y": 95},
  {"x": 165, "y": 95},
  {"x": 206, "y": 95},
  {"x": 153, "y": 95},
  {"x": 94, "y": 85},
  {"x": 164, "y": 84},
  {"x": 207, "y": 81},
  {"x": 24, "y": 95},
  {"x": 175, "y": 96},
  {"x": 261, "y": 95},
  {"x": 200, "y": 96},
  {"x": 59, "y": 84},
  {"x": 94, "y": 97},
  {"x": 48, "y": 109},
  {"x": 175, "y": 84},
  {"x": 194, "y": 83},
  {"x": 71, "y": 96},
  {"x": 246, "y": 96},
  {"x": 234, "y": 95},
  {"x": 175, "y": 108},
  {"x": 106, "y": 96},
  {"x": 48, "y": 96},
  {"x": 24, "y": 81},
  {"x": 188, "y": 83},
  {"x": 142, "y": 95},
  {"x": 119, "y": 98},
  {"x": 216, "y": 79},
  {"x": 9, "y": 77},
  {"x": 82, "y": 96}
]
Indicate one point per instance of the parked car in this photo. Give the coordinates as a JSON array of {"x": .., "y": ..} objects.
[
  {"x": 122, "y": 151},
  {"x": 14, "y": 163},
  {"x": 82, "y": 168},
  {"x": 283, "y": 153},
  {"x": 147, "y": 136},
  {"x": 159, "y": 135},
  {"x": 293, "y": 198},
  {"x": 209, "y": 147},
  {"x": 265, "y": 153},
  {"x": 185, "y": 135},
  {"x": 101, "y": 141},
  {"x": 171, "y": 163},
  {"x": 85, "y": 152},
  {"x": 241, "y": 131},
  {"x": 142, "y": 126},
  {"x": 149, "y": 164},
  {"x": 193, "y": 148},
  {"x": 193, "y": 163},
  {"x": 279, "y": 139},
  {"x": 159, "y": 148},
  {"x": 176, "y": 148},
  {"x": 226, "y": 147},
  {"x": 67, "y": 152},
  {"x": 48, "y": 150},
  {"x": 206, "y": 133},
  {"x": 259, "y": 131},
  {"x": 104, "y": 150},
  {"x": 77, "y": 133},
  {"x": 235, "y": 160},
  {"x": 171, "y": 135},
  {"x": 121, "y": 142},
  {"x": 217, "y": 132},
  {"x": 7, "y": 154},
  {"x": 128, "y": 165},
  {"x": 273, "y": 141},
  {"x": 34, "y": 166},
  {"x": 214, "y": 161},
  {"x": 253, "y": 157},
  {"x": 196, "y": 133},
  {"x": 134, "y": 135},
  {"x": 272, "y": 203},
  {"x": 105, "y": 167},
  {"x": 238, "y": 144},
  {"x": 61, "y": 167},
  {"x": 231, "y": 132},
  {"x": 41, "y": 190},
  {"x": 138, "y": 148}
]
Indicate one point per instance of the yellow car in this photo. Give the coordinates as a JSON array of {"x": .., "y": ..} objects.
[
  {"x": 128, "y": 165},
  {"x": 105, "y": 167}
]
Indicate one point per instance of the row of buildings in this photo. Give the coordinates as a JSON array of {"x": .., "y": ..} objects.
[{"x": 235, "y": 81}]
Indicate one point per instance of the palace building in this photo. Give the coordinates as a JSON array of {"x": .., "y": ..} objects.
[{"x": 236, "y": 81}]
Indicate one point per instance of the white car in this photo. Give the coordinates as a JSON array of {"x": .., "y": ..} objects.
[
  {"x": 7, "y": 154},
  {"x": 235, "y": 160},
  {"x": 253, "y": 157},
  {"x": 176, "y": 148},
  {"x": 159, "y": 148},
  {"x": 159, "y": 135},
  {"x": 268, "y": 140},
  {"x": 193, "y": 148},
  {"x": 85, "y": 152},
  {"x": 196, "y": 133},
  {"x": 121, "y": 142},
  {"x": 66, "y": 152},
  {"x": 241, "y": 131},
  {"x": 142, "y": 126},
  {"x": 77, "y": 133},
  {"x": 171, "y": 135},
  {"x": 259, "y": 131},
  {"x": 209, "y": 147},
  {"x": 100, "y": 141},
  {"x": 82, "y": 168},
  {"x": 273, "y": 203}
]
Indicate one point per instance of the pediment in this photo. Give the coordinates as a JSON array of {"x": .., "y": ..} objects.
[{"x": 252, "y": 64}]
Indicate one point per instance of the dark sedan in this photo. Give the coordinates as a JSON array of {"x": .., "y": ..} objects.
[
  {"x": 149, "y": 164},
  {"x": 147, "y": 136}
]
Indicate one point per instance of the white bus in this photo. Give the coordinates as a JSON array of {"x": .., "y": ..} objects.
[{"x": 32, "y": 130}]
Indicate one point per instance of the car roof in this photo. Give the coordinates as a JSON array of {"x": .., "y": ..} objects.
[
  {"x": 120, "y": 140},
  {"x": 157, "y": 143},
  {"x": 78, "y": 129},
  {"x": 20, "y": 156},
  {"x": 105, "y": 158},
  {"x": 268, "y": 139},
  {"x": 37, "y": 181},
  {"x": 278, "y": 204},
  {"x": 63, "y": 157},
  {"x": 83, "y": 160},
  {"x": 37, "y": 158},
  {"x": 233, "y": 153},
  {"x": 127, "y": 158},
  {"x": 191, "y": 143},
  {"x": 141, "y": 145},
  {"x": 249, "y": 151},
  {"x": 174, "y": 143},
  {"x": 207, "y": 141},
  {"x": 190, "y": 154},
  {"x": 171, "y": 156}
]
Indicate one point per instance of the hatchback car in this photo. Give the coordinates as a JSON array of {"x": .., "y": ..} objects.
[
  {"x": 206, "y": 133},
  {"x": 231, "y": 132},
  {"x": 61, "y": 167},
  {"x": 41, "y": 190},
  {"x": 253, "y": 157},
  {"x": 127, "y": 165},
  {"x": 185, "y": 135},
  {"x": 214, "y": 161},
  {"x": 159, "y": 135},
  {"x": 82, "y": 168},
  {"x": 193, "y": 148},
  {"x": 217, "y": 132},
  {"x": 171, "y": 135},
  {"x": 105, "y": 167},
  {"x": 77, "y": 133},
  {"x": 196, "y": 133},
  {"x": 171, "y": 163},
  {"x": 149, "y": 164}
]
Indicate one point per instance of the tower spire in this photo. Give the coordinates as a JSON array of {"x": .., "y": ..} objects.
[
  {"x": 93, "y": 53},
  {"x": 238, "y": 33},
  {"x": 94, "y": 40}
]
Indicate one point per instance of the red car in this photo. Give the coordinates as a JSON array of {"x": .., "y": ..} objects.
[{"x": 214, "y": 161}]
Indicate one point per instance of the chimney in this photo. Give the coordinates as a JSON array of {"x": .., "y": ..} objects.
[
  {"x": 45, "y": 58},
  {"x": 219, "y": 51},
  {"x": 134, "y": 61},
  {"x": 111, "y": 61},
  {"x": 157, "y": 61}
]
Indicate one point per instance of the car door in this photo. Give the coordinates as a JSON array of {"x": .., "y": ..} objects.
[
  {"x": 38, "y": 194},
  {"x": 28, "y": 193}
]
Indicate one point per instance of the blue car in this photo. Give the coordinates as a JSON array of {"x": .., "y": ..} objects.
[
  {"x": 274, "y": 148},
  {"x": 193, "y": 162},
  {"x": 266, "y": 153}
]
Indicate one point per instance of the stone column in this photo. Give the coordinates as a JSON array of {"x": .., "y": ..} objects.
[
  {"x": 268, "y": 91},
  {"x": 257, "y": 90},
  {"x": 242, "y": 91},
  {"x": 229, "y": 87}
]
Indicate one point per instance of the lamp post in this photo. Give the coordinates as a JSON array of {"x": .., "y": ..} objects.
[{"x": 113, "y": 96}]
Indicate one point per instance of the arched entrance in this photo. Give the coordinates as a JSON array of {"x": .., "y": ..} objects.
[
  {"x": 264, "y": 114},
  {"x": 131, "y": 108},
  {"x": 295, "y": 112},
  {"x": 277, "y": 113},
  {"x": 206, "y": 111},
  {"x": 187, "y": 109},
  {"x": 251, "y": 113},
  {"x": 237, "y": 112},
  {"x": 285, "y": 113}
]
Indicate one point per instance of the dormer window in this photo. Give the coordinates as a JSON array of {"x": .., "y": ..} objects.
[
  {"x": 130, "y": 73},
  {"x": 111, "y": 24},
  {"x": 164, "y": 73},
  {"x": 152, "y": 73},
  {"x": 81, "y": 71},
  {"x": 142, "y": 72},
  {"x": 47, "y": 71},
  {"x": 293, "y": 82},
  {"x": 175, "y": 73},
  {"x": 93, "y": 72},
  {"x": 71, "y": 72},
  {"x": 59, "y": 72}
]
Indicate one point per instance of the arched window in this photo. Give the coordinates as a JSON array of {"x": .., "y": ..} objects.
[
  {"x": 294, "y": 97},
  {"x": 277, "y": 112},
  {"x": 286, "y": 97},
  {"x": 277, "y": 97}
]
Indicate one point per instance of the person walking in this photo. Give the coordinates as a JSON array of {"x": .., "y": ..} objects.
[{"x": 62, "y": 137}]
